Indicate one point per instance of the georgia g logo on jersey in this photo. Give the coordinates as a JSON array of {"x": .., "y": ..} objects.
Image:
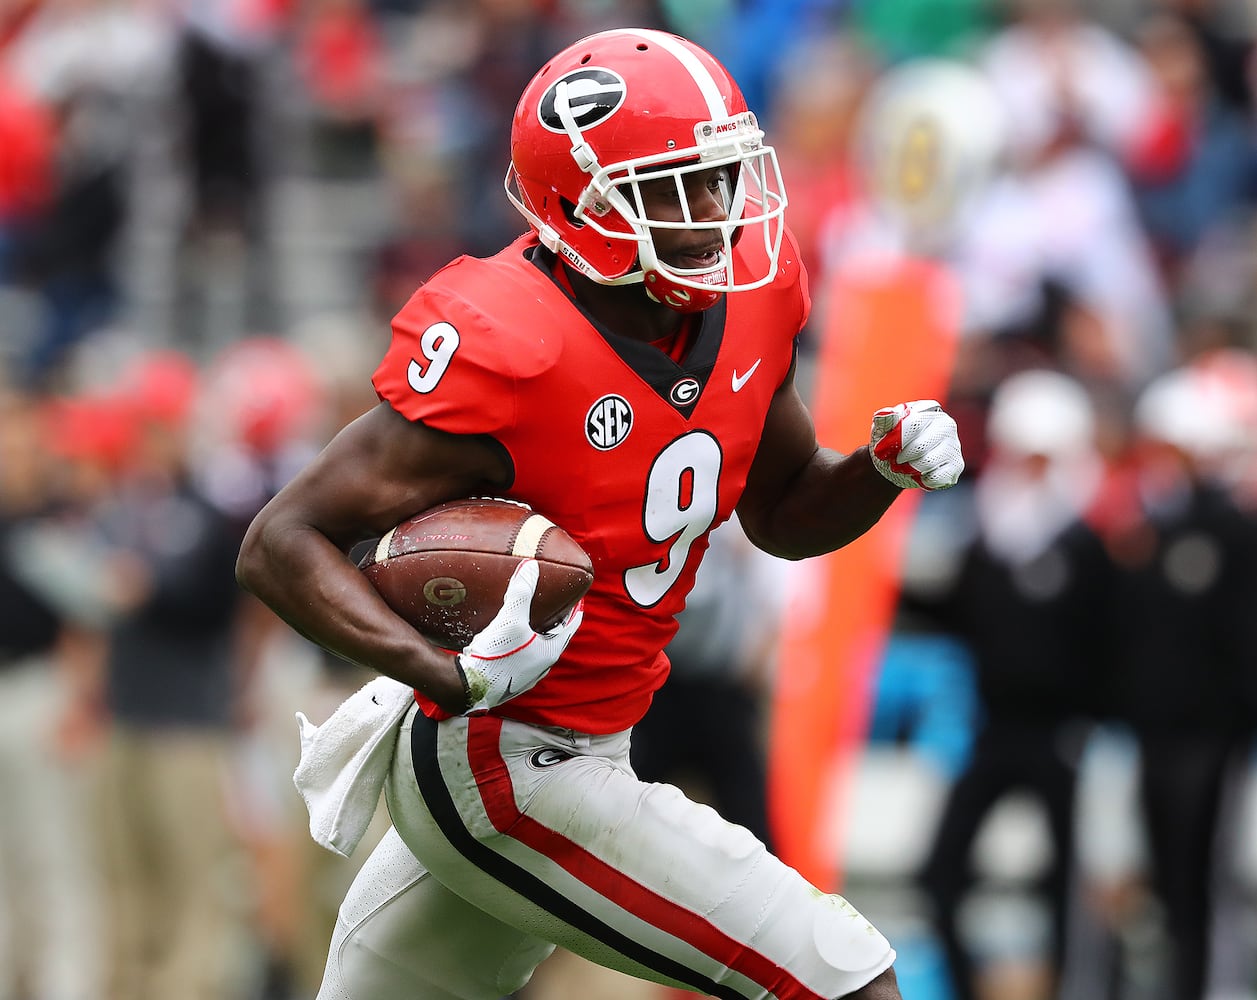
[
  {"x": 685, "y": 391},
  {"x": 608, "y": 422},
  {"x": 593, "y": 95}
]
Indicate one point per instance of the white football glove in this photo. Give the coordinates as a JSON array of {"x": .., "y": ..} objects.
[
  {"x": 507, "y": 657},
  {"x": 915, "y": 446}
]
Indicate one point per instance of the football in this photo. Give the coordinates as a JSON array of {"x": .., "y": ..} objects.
[{"x": 445, "y": 570}]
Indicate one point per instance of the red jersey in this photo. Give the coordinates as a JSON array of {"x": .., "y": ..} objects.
[{"x": 634, "y": 455}]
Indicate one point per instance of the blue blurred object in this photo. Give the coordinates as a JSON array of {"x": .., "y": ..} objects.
[
  {"x": 751, "y": 43},
  {"x": 920, "y": 968},
  {"x": 926, "y": 699}
]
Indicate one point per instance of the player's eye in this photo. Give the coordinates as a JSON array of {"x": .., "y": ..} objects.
[
  {"x": 662, "y": 192},
  {"x": 720, "y": 184}
]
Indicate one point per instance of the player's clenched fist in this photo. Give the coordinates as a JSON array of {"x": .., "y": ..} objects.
[
  {"x": 507, "y": 657},
  {"x": 915, "y": 446}
]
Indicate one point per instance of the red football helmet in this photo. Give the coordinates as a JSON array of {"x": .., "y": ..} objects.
[{"x": 630, "y": 105}]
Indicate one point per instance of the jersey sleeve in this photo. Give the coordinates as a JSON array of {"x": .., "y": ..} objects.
[
  {"x": 787, "y": 297},
  {"x": 792, "y": 268},
  {"x": 805, "y": 292},
  {"x": 447, "y": 367}
]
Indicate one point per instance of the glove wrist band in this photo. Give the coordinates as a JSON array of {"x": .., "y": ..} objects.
[{"x": 462, "y": 676}]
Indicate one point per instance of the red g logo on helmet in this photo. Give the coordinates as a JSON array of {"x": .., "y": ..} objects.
[{"x": 593, "y": 94}]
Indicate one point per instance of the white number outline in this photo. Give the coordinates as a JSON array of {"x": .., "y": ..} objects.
[
  {"x": 437, "y": 344},
  {"x": 666, "y": 521}
]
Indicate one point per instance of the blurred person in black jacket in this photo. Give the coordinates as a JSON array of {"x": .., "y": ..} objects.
[
  {"x": 170, "y": 690},
  {"x": 1028, "y": 600},
  {"x": 1185, "y": 663}
]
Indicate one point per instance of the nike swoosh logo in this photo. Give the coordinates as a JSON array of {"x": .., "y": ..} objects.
[{"x": 740, "y": 380}]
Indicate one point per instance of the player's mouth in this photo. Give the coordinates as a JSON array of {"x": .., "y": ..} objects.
[{"x": 699, "y": 259}]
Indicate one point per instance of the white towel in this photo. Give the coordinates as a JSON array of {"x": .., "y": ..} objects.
[{"x": 344, "y": 762}]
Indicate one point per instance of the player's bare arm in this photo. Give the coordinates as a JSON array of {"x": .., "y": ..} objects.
[
  {"x": 377, "y": 471},
  {"x": 802, "y": 499}
]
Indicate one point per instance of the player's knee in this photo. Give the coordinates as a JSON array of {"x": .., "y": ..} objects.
[{"x": 846, "y": 940}]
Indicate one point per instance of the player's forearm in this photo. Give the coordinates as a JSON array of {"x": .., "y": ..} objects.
[
  {"x": 310, "y": 584},
  {"x": 832, "y": 501}
]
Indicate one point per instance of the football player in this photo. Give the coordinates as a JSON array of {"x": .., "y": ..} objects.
[{"x": 626, "y": 368}]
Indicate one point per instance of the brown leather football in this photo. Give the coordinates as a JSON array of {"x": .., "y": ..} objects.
[{"x": 445, "y": 570}]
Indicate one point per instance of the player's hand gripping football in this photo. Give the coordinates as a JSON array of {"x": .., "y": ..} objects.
[
  {"x": 507, "y": 657},
  {"x": 915, "y": 446}
]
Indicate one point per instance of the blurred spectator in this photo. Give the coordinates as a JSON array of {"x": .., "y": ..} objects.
[
  {"x": 257, "y": 412},
  {"x": 1184, "y": 668},
  {"x": 27, "y": 135},
  {"x": 1227, "y": 373},
  {"x": 926, "y": 697},
  {"x": 1065, "y": 78},
  {"x": 224, "y": 49},
  {"x": 267, "y": 404},
  {"x": 1225, "y": 29},
  {"x": 1076, "y": 96},
  {"x": 705, "y": 728},
  {"x": 46, "y": 887},
  {"x": 340, "y": 59},
  {"x": 170, "y": 692},
  {"x": 819, "y": 91},
  {"x": 69, "y": 253},
  {"x": 1029, "y": 602},
  {"x": 1195, "y": 164},
  {"x": 87, "y": 62},
  {"x": 752, "y": 41},
  {"x": 219, "y": 57}
]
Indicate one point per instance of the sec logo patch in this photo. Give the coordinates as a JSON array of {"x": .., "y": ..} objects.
[{"x": 608, "y": 422}]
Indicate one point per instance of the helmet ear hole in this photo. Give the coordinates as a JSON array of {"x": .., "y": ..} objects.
[{"x": 569, "y": 213}]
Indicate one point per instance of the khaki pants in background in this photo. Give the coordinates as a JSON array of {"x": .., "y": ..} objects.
[
  {"x": 175, "y": 902},
  {"x": 48, "y": 890}
]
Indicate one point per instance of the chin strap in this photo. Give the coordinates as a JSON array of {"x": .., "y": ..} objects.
[{"x": 680, "y": 298}]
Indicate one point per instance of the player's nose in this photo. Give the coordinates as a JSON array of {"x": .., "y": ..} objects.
[{"x": 707, "y": 205}]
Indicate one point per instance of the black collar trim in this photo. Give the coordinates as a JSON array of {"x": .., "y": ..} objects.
[{"x": 680, "y": 385}]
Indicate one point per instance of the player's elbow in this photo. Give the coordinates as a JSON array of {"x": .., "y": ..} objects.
[
  {"x": 760, "y": 535},
  {"x": 251, "y": 561}
]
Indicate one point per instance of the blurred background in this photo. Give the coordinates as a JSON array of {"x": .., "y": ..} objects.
[{"x": 1040, "y": 777}]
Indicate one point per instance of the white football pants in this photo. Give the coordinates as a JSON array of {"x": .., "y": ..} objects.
[{"x": 533, "y": 837}]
